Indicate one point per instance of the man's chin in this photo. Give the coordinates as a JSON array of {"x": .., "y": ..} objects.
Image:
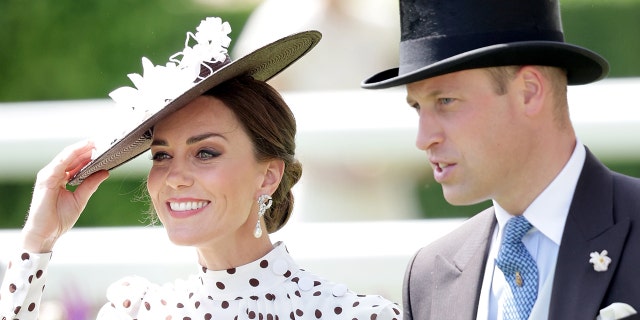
[{"x": 458, "y": 199}]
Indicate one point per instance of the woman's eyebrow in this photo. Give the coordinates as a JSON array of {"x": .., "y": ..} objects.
[
  {"x": 191, "y": 140},
  {"x": 159, "y": 142},
  {"x": 204, "y": 136}
]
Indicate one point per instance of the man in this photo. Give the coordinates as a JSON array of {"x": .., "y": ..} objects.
[{"x": 488, "y": 80}]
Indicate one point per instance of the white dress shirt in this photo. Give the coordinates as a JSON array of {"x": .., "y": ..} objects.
[{"x": 547, "y": 213}]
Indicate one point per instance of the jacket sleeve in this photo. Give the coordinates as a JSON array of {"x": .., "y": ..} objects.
[{"x": 22, "y": 286}]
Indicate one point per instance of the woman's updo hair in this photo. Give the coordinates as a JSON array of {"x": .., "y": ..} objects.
[{"x": 271, "y": 126}]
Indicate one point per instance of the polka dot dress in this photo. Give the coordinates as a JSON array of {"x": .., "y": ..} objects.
[
  {"x": 22, "y": 286},
  {"x": 270, "y": 288}
]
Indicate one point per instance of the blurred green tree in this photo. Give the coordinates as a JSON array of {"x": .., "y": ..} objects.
[
  {"x": 67, "y": 49},
  {"x": 609, "y": 28}
]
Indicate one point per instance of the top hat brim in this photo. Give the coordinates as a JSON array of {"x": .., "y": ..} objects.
[
  {"x": 261, "y": 64},
  {"x": 583, "y": 66}
]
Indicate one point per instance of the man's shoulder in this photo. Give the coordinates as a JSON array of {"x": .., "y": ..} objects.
[
  {"x": 627, "y": 194},
  {"x": 628, "y": 183},
  {"x": 475, "y": 229}
]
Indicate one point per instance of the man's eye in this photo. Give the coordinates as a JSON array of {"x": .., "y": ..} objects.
[{"x": 445, "y": 101}]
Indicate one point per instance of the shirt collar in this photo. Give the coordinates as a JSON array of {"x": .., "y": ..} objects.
[
  {"x": 263, "y": 274},
  {"x": 548, "y": 212}
]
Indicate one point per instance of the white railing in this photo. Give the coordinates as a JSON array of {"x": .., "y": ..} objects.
[{"x": 357, "y": 149}]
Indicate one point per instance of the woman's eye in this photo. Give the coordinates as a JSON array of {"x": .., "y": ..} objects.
[
  {"x": 207, "y": 154},
  {"x": 159, "y": 156}
]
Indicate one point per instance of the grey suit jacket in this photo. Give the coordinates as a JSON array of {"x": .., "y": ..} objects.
[{"x": 443, "y": 280}]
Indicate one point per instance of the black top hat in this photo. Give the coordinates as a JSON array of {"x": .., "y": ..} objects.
[{"x": 444, "y": 36}]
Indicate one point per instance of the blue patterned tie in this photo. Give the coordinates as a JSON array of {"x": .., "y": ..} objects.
[{"x": 519, "y": 270}]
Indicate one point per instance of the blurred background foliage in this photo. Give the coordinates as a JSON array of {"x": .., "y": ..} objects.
[
  {"x": 66, "y": 49},
  {"x": 69, "y": 49}
]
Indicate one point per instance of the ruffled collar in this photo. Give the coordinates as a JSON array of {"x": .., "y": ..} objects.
[{"x": 251, "y": 279}]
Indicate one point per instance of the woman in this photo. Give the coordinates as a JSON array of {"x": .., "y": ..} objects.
[{"x": 223, "y": 168}]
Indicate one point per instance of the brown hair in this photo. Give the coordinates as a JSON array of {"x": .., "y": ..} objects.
[
  {"x": 271, "y": 126},
  {"x": 500, "y": 76}
]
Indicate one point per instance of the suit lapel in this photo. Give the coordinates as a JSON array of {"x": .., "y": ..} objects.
[
  {"x": 459, "y": 275},
  {"x": 578, "y": 289}
]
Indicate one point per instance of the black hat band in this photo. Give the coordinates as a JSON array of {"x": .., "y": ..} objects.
[{"x": 417, "y": 53}]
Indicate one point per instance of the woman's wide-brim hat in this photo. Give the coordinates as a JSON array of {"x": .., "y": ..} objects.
[
  {"x": 444, "y": 36},
  {"x": 165, "y": 89}
]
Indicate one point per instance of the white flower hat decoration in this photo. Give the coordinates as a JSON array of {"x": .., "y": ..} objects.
[{"x": 161, "y": 90}]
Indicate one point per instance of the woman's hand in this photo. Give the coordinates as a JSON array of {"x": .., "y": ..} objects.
[{"x": 54, "y": 209}]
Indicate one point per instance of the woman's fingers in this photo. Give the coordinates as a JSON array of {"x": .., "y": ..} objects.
[
  {"x": 54, "y": 209},
  {"x": 67, "y": 162}
]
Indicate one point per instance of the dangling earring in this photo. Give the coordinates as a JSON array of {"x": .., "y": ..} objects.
[{"x": 264, "y": 203}]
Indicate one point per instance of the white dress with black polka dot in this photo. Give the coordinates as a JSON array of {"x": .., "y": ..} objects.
[
  {"x": 22, "y": 286},
  {"x": 270, "y": 288}
]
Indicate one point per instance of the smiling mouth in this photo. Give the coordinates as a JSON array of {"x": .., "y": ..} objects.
[{"x": 186, "y": 206}]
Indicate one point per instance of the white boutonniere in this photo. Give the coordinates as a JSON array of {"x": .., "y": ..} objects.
[{"x": 600, "y": 260}]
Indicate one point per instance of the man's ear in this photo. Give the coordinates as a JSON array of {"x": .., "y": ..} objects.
[
  {"x": 272, "y": 176},
  {"x": 533, "y": 89}
]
